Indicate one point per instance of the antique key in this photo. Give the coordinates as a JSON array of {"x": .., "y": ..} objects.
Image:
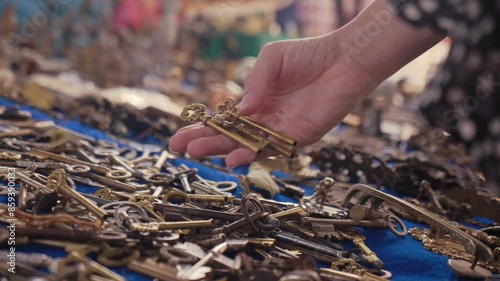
[
  {"x": 154, "y": 269},
  {"x": 358, "y": 240},
  {"x": 93, "y": 268},
  {"x": 157, "y": 226},
  {"x": 247, "y": 132},
  {"x": 389, "y": 222},
  {"x": 195, "y": 269},
  {"x": 225, "y": 112},
  {"x": 196, "y": 113},
  {"x": 57, "y": 181}
]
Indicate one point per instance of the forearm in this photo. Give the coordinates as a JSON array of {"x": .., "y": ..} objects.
[{"x": 380, "y": 43}]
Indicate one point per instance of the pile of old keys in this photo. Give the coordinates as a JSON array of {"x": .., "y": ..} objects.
[
  {"x": 406, "y": 174},
  {"x": 167, "y": 222},
  {"x": 227, "y": 121}
]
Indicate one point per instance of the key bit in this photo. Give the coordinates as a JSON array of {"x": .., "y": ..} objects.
[
  {"x": 158, "y": 226},
  {"x": 325, "y": 230}
]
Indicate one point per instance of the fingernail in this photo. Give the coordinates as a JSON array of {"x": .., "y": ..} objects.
[
  {"x": 170, "y": 148},
  {"x": 243, "y": 103}
]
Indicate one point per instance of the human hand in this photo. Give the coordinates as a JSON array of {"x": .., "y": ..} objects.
[{"x": 301, "y": 88}]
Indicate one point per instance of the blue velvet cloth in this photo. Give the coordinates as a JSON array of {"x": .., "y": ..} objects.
[{"x": 404, "y": 257}]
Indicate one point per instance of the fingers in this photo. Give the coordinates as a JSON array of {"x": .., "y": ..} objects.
[
  {"x": 214, "y": 145},
  {"x": 204, "y": 141},
  {"x": 179, "y": 142},
  {"x": 243, "y": 156},
  {"x": 260, "y": 79},
  {"x": 190, "y": 127}
]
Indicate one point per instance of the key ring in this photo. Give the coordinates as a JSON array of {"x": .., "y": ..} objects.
[
  {"x": 176, "y": 195},
  {"x": 393, "y": 222},
  {"x": 118, "y": 175},
  {"x": 226, "y": 186},
  {"x": 158, "y": 179},
  {"x": 250, "y": 204},
  {"x": 111, "y": 237},
  {"x": 77, "y": 169}
]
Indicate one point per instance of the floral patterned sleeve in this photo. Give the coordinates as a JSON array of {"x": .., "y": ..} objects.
[{"x": 464, "y": 97}]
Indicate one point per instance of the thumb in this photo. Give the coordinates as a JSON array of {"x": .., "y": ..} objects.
[{"x": 261, "y": 78}]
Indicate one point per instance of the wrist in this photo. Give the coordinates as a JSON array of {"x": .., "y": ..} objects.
[
  {"x": 349, "y": 64},
  {"x": 377, "y": 43}
]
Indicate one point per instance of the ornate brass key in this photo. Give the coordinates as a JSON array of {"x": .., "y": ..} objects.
[
  {"x": 227, "y": 121},
  {"x": 196, "y": 113},
  {"x": 226, "y": 111},
  {"x": 358, "y": 240}
]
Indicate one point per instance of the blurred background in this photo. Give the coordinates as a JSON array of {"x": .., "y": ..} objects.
[{"x": 155, "y": 56}]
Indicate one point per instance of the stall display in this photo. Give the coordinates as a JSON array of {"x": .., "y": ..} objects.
[
  {"x": 90, "y": 191},
  {"x": 141, "y": 211}
]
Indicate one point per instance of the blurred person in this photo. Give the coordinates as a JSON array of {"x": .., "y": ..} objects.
[
  {"x": 141, "y": 16},
  {"x": 315, "y": 17}
]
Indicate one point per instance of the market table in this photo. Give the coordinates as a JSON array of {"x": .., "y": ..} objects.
[{"x": 404, "y": 257}]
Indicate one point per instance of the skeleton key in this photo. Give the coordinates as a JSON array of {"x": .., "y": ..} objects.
[
  {"x": 389, "y": 222},
  {"x": 312, "y": 253},
  {"x": 113, "y": 183},
  {"x": 292, "y": 239},
  {"x": 198, "y": 213},
  {"x": 57, "y": 181},
  {"x": 183, "y": 176},
  {"x": 185, "y": 167},
  {"x": 29, "y": 164},
  {"x": 116, "y": 159},
  {"x": 219, "y": 260},
  {"x": 358, "y": 240},
  {"x": 73, "y": 235},
  {"x": 93, "y": 267},
  {"x": 202, "y": 199},
  {"x": 96, "y": 168},
  {"x": 297, "y": 211},
  {"x": 329, "y": 274},
  {"x": 159, "y": 163},
  {"x": 196, "y": 113},
  {"x": 325, "y": 231},
  {"x": 197, "y": 270},
  {"x": 296, "y": 229},
  {"x": 154, "y": 269},
  {"x": 226, "y": 111},
  {"x": 153, "y": 227},
  {"x": 84, "y": 156},
  {"x": 239, "y": 224},
  {"x": 43, "y": 198},
  {"x": 35, "y": 260},
  {"x": 208, "y": 189}
]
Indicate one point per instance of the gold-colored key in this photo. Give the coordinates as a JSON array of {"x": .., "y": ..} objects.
[
  {"x": 196, "y": 113},
  {"x": 297, "y": 211},
  {"x": 227, "y": 121},
  {"x": 226, "y": 110},
  {"x": 57, "y": 182},
  {"x": 358, "y": 240},
  {"x": 154, "y": 227}
]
